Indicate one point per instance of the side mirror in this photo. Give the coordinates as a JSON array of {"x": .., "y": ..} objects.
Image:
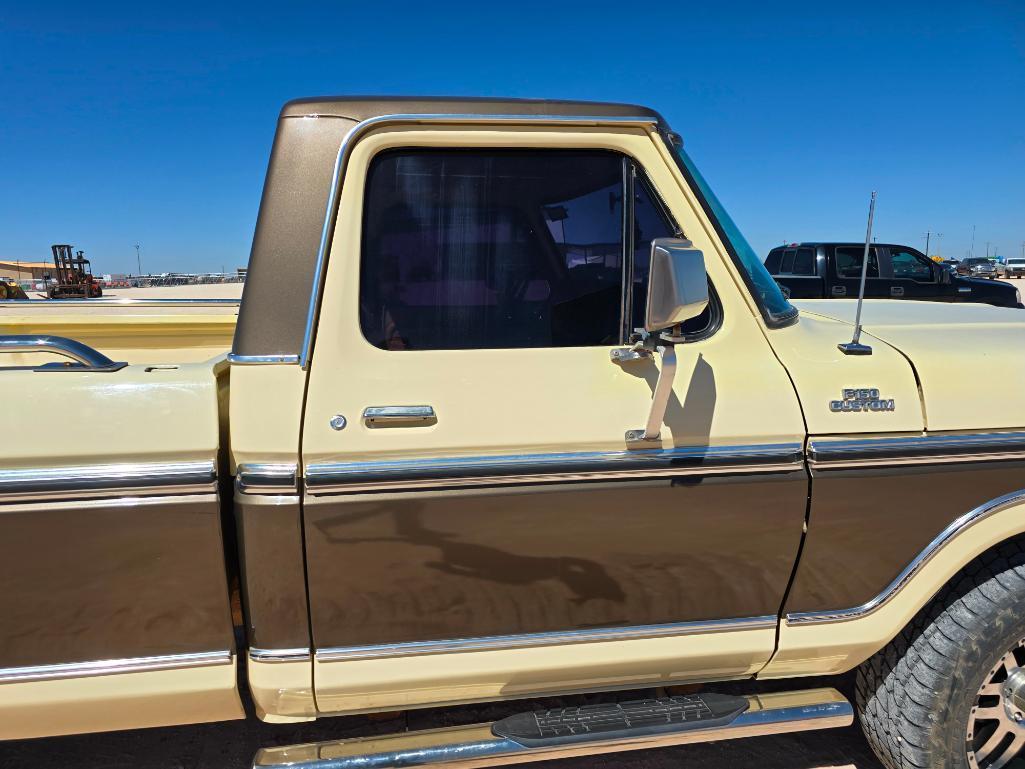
[
  {"x": 677, "y": 292},
  {"x": 677, "y": 284}
]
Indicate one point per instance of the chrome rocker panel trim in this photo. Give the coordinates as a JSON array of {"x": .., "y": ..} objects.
[
  {"x": 933, "y": 448},
  {"x": 957, "y": 527},
  {"x": 361, "y": 128},
  {"x": 279, "y": 655},
  {"x": 477, "y": 746},
  {"x": 529, "y": 640},
  {"x": 385, "y": 475},
  {"x": 114, "y": 667},
  {"x": 108, "y": 480},
  {"x": 267, "y": 478}
]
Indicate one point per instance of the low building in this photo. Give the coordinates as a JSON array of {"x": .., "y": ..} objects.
[{"x": 25, "y": 270}]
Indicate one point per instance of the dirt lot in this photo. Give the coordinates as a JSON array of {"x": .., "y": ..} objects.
[{"x": 232, "y": 745}]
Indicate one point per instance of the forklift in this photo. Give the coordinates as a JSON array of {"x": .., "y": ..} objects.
[{"x": 74, "y": 275}]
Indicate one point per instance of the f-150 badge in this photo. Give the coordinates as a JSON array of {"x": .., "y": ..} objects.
[{"x": 862, "y": 399}]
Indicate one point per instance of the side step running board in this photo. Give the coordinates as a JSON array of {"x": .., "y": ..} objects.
[{"x": 588, "y": 730}]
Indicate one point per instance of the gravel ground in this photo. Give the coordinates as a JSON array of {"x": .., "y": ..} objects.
[{"x": 232, "y": 745}]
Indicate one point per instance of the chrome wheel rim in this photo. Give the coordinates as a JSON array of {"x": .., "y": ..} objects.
[{"x": 996, "y": 726}]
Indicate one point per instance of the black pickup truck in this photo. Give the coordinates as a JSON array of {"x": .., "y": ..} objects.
[{"x": 833, "y": 270}]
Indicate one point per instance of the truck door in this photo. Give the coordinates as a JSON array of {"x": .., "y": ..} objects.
[
  {"x": 914, "y": 276},
  {"x": 476, "y": 524},
  {"x": 797, "y": 270},
  {"x": 845, "y": 274}
]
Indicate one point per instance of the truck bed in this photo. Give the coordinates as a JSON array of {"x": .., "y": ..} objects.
[{"x": 139, "y": 331}]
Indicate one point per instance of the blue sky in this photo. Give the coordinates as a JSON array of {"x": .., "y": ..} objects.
[{"x": 151, "y": 123}]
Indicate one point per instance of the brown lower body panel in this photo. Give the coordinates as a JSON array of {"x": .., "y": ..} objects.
[
  {"x": 273, "y": 577},
  {"x": 111, "y": 579},
  {"x": 867, "y": 524},
  {"x": 432, "y": 565}
]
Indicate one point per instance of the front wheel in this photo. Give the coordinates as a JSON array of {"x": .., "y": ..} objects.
[{"x": 949, "y": 691}]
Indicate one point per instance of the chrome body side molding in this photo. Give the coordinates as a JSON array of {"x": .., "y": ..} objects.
[
  {"x": 552, "y": 468},
  {"x": 279, "y": 655},
  {"x": 361, "y": 128},
  {"x": 528, "y": 640},
  {"x": 957, "y": 527},
  {"x": 114, "y": 667},
  {"x": 108, "y": 480},
  {"x": 929, "y": 448},
  {"x": 261, "y": 360},
  {"x": 267, "y": 478}
]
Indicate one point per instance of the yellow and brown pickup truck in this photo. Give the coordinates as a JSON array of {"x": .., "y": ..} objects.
[{"x": 510, "y": 409}]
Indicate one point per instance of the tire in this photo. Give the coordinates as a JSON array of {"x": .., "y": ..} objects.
[{"x": 916, "y": 696}]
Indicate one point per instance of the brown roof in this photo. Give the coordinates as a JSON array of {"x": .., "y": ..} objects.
[{"x": 23, "y": 263}]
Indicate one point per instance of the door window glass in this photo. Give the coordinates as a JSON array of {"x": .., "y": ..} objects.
[
  {"x": 848, "y": 262},
  {"x": 504, "y": 248},
  {"x": 804, "y": 262},
  {"x": 909, "y": 265}
]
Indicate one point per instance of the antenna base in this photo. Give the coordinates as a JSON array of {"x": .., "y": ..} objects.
[{"x": 854, "y": 348}]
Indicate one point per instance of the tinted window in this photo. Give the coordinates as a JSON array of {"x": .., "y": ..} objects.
[
  {"x": 787, "y": 265},
  {"x": 848, "y": 262},
  {"x": 469, "y": 249},
  {"x": 773, "y": 259},
  {"x": 804, "y": 261},
  {"x": 908, "y": 265}
]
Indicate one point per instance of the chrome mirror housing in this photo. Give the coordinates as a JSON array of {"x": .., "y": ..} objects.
[{"x": 677, "y": 284}]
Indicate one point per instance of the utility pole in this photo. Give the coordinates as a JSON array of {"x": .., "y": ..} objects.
[
  {"x": 927, "y": 234},
  {"x": 987, "y": 249},
  {"x": 138, "y": 259},
  {"x": 971, "y": 249}
]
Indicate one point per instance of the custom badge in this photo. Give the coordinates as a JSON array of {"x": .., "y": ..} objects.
[{"x": 862, "y": 399}]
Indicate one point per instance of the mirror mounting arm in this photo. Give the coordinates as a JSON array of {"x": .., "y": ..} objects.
[{"x": 652, "y": 432}]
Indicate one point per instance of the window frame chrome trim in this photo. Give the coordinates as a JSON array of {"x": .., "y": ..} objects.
[
  {"x": 89, "y": 669},
  {"x": 951, "y": 532},
  {"x": 382, "y": 475},
  {"x": 47, "y": 483},
  {"x": 357, "y": 131},
  {"x": 532, "y": 640},
  {"x": 926, "y": 448}
]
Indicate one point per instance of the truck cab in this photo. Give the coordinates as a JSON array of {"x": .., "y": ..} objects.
[
  {"x": 817, "y": 270},
  {"x": 511, "y": 409}
]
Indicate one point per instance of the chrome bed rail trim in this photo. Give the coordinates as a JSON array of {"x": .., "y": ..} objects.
[
  {"x": 956, "y": 527},
  {"x": 552, "y": 468},
  {"x": 114, "y": 667},
  {"x": 279, "y": 655},
  {"x": 126, "y": 302},
  {"x": 92, "y": 480},
  {"x": 528, "y": 640},
  {"x": 85, "y": 356},
  {"x": 362, "y": 127},
  {"x": 929, "y": 448},
  {"x": 267, "y": 477}
]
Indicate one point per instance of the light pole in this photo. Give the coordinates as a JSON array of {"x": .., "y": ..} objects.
[{"x": 138, "y": 259}]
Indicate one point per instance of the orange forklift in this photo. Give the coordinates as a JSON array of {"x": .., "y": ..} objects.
[{"x": 74, "y": 275}]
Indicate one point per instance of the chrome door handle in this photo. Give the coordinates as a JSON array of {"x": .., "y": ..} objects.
[{"x": 399, "y": 416}]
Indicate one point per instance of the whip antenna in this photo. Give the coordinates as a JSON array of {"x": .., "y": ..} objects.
[{"x": 855, "y": 347}]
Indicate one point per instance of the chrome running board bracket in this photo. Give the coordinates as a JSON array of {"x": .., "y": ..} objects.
[{"x": 483, "y": 745}]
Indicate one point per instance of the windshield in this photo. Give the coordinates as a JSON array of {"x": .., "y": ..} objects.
[
  {"x": 775, "y": 308},
  {"x": 1016, "y": 261}
]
